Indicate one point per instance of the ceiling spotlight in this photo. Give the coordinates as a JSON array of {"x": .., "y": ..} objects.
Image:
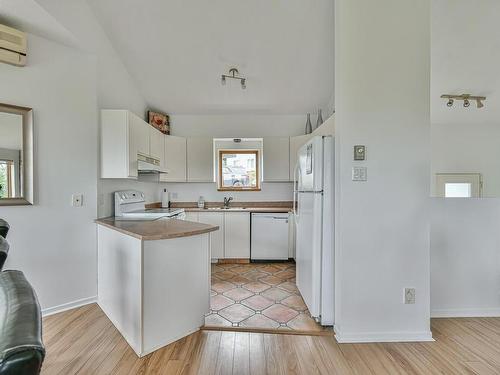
[
  {"x": 467, "y": 99},
  {"x": 234, "y": 74}
]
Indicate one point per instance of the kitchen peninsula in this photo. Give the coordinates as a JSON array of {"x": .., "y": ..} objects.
[{"x": 154, "y": 279}]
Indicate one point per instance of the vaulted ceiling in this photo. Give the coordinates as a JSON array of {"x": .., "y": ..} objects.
[{"x": 176, "y": 51}]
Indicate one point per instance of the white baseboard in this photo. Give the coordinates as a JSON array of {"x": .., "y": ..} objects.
[
  {"x": 367, "y": 337},
  {"x": 466, "y": 313},
  {"x": 68, "y": 306}
]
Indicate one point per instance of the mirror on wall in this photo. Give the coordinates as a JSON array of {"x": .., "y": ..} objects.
[{"x": 16, "y": 155}]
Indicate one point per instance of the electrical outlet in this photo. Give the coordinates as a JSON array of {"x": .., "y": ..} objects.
[
  {"x": 359, "y": 173},
  {"x": 77, "y": 200},
  {"x": 409, "y": 296}
]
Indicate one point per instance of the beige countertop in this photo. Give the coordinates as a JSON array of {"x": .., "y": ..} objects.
[
  {"x": 235, "y": 206},
  {"x": 241, "y": 209},
  {"x": 157, "y": 229}
]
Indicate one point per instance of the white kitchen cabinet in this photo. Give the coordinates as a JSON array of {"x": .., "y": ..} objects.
[
  {"x": 139, "y": 134},
  {"x": 200, "y": 159},
  {"x": 192, "y": 216},
  {"x": 157, "y": 145},
  {"x": 237, "y": 235},
  {"x": 276, "y": 159},
  {"x": 296, "y": 143},
  {"x": 217, "y": 237},
  {"x": 175, "y": 159},
  {"x": 123, "y": 136}
]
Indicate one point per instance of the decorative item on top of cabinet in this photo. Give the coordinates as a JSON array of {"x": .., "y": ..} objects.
[
  {"x": 320, "y": 119},
  {"x": 160, "y": 121},
  {"x": 308, "y": 129}
]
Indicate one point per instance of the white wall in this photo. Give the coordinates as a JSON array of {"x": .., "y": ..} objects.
[
  {"x": 238, "y": 126},
  {"x": 465, "y": 59},
  {"x": 52, "y": 242},
  {"x": 63, "y": 267},
  {"x": 382, "y": 101},
  {"x": 116, "y": 89},
  {"x": 468, "y": 148},
  {"x": 465, "y": 242},
  {"x": 190, "y": 192},
  {"x": 465, "y": 257}
]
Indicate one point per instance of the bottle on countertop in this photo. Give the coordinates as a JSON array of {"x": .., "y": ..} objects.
[
  {"x": 165, "y": 201},
  {"x": 201, "y": 202}
]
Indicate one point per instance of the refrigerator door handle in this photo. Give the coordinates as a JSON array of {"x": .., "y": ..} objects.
[{"x": 295, "y": 190}]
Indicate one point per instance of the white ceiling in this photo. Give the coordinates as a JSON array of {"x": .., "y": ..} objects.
[
  {"x": 176, "y": 51},
  {"x": 29, "y": 16}
]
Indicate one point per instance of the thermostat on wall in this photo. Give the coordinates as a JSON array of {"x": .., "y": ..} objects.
[{"x": 359, "y": 152}]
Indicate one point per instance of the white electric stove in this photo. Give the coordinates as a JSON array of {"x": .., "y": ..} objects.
[{"x": 131, "y": 205}]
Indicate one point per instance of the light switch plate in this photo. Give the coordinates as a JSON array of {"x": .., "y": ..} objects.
[
  {"x": 359, "y": 173},
  {"x": 77, "y": 200}
]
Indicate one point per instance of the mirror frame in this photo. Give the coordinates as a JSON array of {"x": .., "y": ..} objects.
[{"x": 27, "y": 175}]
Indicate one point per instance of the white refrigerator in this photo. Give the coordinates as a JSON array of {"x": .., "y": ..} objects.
[{"x": 314, "y": 208}]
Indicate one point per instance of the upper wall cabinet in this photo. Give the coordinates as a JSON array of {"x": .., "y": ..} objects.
[
  {"x": 157, "y": 144},
  {"x": 123, "y": 136},
  {"x": 276, "y": 159},
  {"x": 200, "y": 159},
  {"x": 139, "y": 133},
  {"x": 175, "y": 159}
]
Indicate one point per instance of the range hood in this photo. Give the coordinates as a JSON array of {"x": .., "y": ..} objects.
[{"x": 148, "y": 165}]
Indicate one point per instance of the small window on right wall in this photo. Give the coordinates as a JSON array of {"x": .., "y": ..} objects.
[{"x": 459, "y": 185}]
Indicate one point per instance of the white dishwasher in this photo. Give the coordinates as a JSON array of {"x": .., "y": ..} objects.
[{"x": 269, "y": 239}]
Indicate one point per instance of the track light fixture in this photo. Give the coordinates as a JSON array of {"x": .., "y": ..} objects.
[
  {"x": 467, "y": 98},
  {"x": 234, "y": 74}
]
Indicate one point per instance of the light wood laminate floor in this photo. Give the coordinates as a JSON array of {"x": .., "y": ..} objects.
[{"x": 83, "y": 341}]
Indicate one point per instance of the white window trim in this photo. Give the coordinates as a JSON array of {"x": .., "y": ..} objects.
[{"x": 475, "y": 179}]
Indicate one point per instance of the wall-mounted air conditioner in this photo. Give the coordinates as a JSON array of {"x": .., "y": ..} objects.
[{"x": 13, "y": 46}]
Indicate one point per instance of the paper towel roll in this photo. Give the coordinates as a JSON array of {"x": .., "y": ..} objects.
[{"x": 165, "y": 202}]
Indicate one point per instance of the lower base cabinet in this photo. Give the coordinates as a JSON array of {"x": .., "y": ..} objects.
[
  {"x": 237, "y": 235},
  {"x": 232, "y": 240},
  {"x": 217, "y": 237}
]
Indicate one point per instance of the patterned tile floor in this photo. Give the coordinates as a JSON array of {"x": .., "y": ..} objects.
[{"x": 258, "y": 295}]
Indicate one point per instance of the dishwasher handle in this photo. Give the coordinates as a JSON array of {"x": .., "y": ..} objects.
[{"x": 264, "y": 216}]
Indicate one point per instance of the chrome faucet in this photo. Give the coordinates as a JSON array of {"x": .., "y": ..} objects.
[{"x": 227, "y": 201}]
